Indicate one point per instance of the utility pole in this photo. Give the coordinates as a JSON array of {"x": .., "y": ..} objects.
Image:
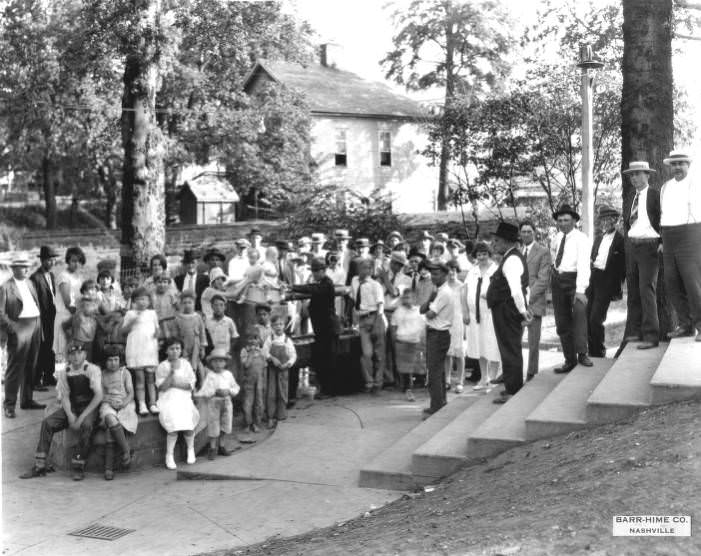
[{"x": 587, "y": 63}]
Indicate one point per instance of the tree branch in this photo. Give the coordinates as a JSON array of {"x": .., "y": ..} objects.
[
  {"x": 688, "y": 5},
  {"x": 687, "y": 37}
]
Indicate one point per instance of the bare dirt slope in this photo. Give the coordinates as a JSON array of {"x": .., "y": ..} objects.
[{"x": 550, "y": 497}]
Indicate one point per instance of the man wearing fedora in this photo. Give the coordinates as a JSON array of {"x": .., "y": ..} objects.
[
  {"x": 20, "y": 317},
  {"x": 506, "y": 298},
  {"x": 641, "y": 219},
  {"x": 608, "y": 271},
  {"x": 538, "y": 263},
  {"x": 45, "y": 285},
  {"x": 191, "y": 280},
  {"x": 569, "y": 281},
  {"x": 680, "y": 224}
]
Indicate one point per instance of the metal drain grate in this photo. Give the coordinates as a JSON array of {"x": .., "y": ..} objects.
[{"x": 103, "y": 532}]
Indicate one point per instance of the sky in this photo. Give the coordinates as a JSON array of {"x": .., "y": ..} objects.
[{"x": 364, "y": 29}]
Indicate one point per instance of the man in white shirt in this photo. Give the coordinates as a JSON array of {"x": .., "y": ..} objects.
[
  {"x": 368, "y": 301},
  {"x": 608, "y": 271},
  {"x": 506, "y": 298},
  {"x": 680, "y": 200},
  {"x": 20, "y": 317},
  {"x": 439, "y": 311},
  {"x": 569, "y": 281},
  {"x": 643, "y": 245}
]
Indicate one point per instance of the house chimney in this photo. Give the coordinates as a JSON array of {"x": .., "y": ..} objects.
[{"x": 330, "y": 55}]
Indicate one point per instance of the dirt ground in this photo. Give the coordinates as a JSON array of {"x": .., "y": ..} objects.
[{"x": 550, "y": 497}]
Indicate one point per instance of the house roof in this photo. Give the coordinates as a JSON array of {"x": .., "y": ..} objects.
[
  {"x": 336, "y": 92},
  {"x": 211, "y": 188}
]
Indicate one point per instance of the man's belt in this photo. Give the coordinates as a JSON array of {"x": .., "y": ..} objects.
[
  {"x": 368, "y": 314},
  {"x": 563, "y": 273}
]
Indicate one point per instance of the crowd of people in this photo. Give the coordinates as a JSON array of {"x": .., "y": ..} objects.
[{"x": 211, "y": 342}]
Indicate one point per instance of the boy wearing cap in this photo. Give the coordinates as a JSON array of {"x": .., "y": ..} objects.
[
  {"x": 79, "y": 392},
  {"x": 20, "y": 317},
  {"x": 45, "y": 286},
  {"x": 218, "y": 388}
]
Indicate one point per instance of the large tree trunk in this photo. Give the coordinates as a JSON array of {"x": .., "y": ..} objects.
[
  {"x": 143, "y": 203},
  {"x": 47, "y": 179},
  {"x": 647, "y": 110},
  {"x": 442, "y": 197}
]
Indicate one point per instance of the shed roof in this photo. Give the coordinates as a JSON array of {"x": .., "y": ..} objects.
[
  {"x": 212, "y": 188},
  {"x": 336, "y": 92}
]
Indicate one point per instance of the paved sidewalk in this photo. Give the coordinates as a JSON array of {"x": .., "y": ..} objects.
[{"x": 302, "y": 477}]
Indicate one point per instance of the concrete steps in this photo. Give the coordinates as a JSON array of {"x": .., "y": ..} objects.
[
  {"x": 564, "y": 409},
  {"x": 626, "y": 387},
  {"x": 678, "y": 376},
  {"x": 391, "y": 469},
  {"x": 444, "y": 452},
  {"x": 506, "y": 427}
]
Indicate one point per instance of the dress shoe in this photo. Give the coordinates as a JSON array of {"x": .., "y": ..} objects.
[
  {"x": 9, "y": 412},
  {"x": 566, "y": 368},
  {"x": 41, "y": 388},
  {"x": 222, "y": 451},
  {"x": 498, "y": 380},
  {"x": 529, "y": 377},
  {"x": 584, "y": 360},
  {"x": 34, "y": 472},
  {"x": 648, "y": 345},
  {"x": 680, "y": 332},
  {"x": 632, "y": 338},
  {"x": 502, "y": 399},
  {"x": 32, "y": 405}
]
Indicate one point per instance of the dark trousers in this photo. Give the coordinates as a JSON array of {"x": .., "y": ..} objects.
[
  {"x": 324, "y": 352},
  {"x": 534, "y": 329},
  {"x": 508, "y": 330},
  {"x": 437, "y": 344},
  {"x": 58, "y": 421},
  {"x": 598, "y": 301},
  {"x": 682, "y": 272},
  {"x": 372, "y": 343},
  {"x": 46, "y": 360},
  {"x": 277, "y": 391},
  {"x": 391, "y": 372},
  {"x": 570, "y": 316},
  {"x": 293, "y": 383},
  {"x": 22, "y": 351},
  {"x": 642, "y": 266}
]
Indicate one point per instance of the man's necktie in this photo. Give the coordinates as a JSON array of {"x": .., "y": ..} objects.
[
  {"x": 525, "y": 252},
  {"x": 634, "y": 209},
  {"x": 357, "y": 297},
  {"x": 477, "y": 299},
  {"x": 560, "y": 251}
]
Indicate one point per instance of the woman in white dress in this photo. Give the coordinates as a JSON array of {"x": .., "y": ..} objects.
[
  {"x": 456, "y": 351},
  {"x": 68, "y": 293},
  {"x": 481, "y": 339}
]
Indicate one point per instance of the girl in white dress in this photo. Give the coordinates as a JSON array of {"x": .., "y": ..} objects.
[
  {"x": 456, "y": 350},
  {"x": 68, "y": 293},
  {"x": 176, "y": 382},
  {"x": 141, "y": 326},
  {"x": 481, "y": 339}
]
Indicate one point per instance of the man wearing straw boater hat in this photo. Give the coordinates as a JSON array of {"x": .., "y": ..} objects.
[
  {"x": 20, "y": 317},
  {"x": 680, "y": 223},
  {"x": 569, "y": 281},
  {"x": 641, "y": 221},
  {"x": 507, "y": 297}
]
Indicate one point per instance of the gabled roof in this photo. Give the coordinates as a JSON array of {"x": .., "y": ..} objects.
[
  {"x": 336, "y": 92},
  {"x": 211, "y": 188}
]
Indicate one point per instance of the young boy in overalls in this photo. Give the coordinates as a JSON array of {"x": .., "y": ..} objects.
[
  {"x": 79, "y": 391},
  {"x": 281, "y": 355},
  {"x": 254, "y": 367}
]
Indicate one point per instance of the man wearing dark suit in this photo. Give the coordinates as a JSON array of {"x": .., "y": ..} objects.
[
  {"x": 192, "y": 280},
  {"x": 20, "y": 317},
  {"x": 641, "y": 218},
  {"x": 539, "y": 262},
  {"x": 608, "y": 271},
  {"x": 45, "y": 286}
]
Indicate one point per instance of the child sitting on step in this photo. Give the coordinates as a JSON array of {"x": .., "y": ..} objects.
[
  {"x": 177, "y": 412},
  {"x": 117, "y": 410},
  {"x": 281, "y": 355},
  {"x": 218, "y": 389}
]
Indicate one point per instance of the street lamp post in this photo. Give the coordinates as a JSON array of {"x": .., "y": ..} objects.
[{"x": 587, "y": 63}]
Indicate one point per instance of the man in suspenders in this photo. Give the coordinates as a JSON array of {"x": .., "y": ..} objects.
[{"x": 506, "y": 297}]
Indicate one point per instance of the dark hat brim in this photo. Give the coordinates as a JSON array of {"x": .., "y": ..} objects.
[{"x": 572, "y": 213}]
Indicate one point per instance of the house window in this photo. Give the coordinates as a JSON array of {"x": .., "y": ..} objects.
[
  {"x": 385, "y": 148},
  {"x": 341, "y": 152}
]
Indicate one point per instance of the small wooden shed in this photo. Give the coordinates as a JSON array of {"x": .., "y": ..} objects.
[{"x": 208, "y": 198}]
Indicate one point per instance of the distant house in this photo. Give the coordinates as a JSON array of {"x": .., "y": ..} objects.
[
  {"x": 364, "y": 136},
  {"x": 207, "y": 199}
]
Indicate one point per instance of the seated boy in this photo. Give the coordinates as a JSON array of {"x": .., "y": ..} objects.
[{"x": 79, "y": 391}]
